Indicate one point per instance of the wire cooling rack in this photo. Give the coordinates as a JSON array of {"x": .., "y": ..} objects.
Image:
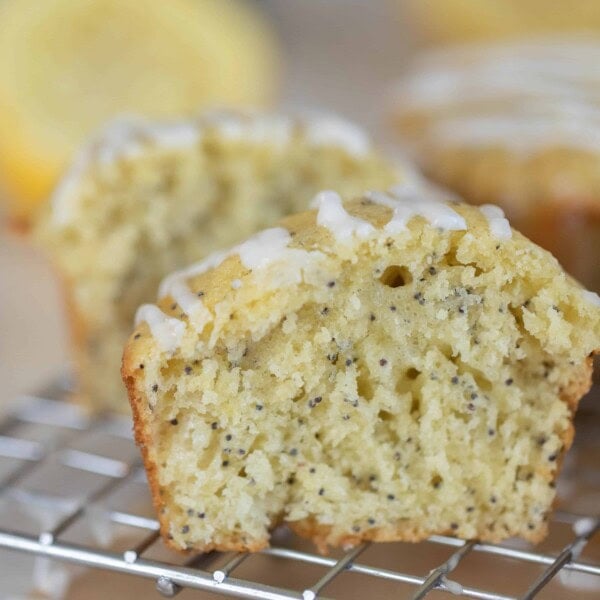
[{"x": 63, "y": 472}]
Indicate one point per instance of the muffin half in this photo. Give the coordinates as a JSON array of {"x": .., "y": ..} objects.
[
  {"x": 381, "y": 369},
  {"x": 146, "y": 198}
]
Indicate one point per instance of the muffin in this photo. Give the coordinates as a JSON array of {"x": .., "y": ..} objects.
[
  {"x": 386, "y": 368},
  {"x": 146, "y": 198},
  {"x": 463, "y": 20},
  {"x": 519, "y": 125}
]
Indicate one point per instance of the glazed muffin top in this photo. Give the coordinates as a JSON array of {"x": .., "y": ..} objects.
[
  {"x": 194, "y": 304},
  {"x": 528, "y": 111},
  {"x": 522, "y": 96}
]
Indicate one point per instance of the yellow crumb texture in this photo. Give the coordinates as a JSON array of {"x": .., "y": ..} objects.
[
  {"x": 401, "y": 385},
  {"x": 135, "y": 219}
]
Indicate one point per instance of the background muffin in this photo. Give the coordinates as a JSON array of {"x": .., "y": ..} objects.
[
  {"x": 461, "y": 20},
  {"x": 145, "y": 198},
  {"x": 518, "y": 125}
]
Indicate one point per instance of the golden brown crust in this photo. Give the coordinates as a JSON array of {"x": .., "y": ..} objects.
[
  {"x": 571, "y": 395},
  {"x": 579, "y": 387},
  {"x": 142, "y": 439},
  {"x": 320, "y": 535},
  {"x": 552, "y": 195}
]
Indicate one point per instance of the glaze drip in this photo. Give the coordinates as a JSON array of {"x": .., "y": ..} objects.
[
  {"x": 498, "y": 223},
  {"x": 333, "y": 216}
]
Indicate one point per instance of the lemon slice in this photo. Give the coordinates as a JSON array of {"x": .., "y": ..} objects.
[
  {"x": 67, "y": 66},
  {"x": 457, "y": 20}
]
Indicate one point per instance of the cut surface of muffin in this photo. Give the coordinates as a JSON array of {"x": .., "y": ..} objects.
[
  {"x": 380, "y": 369},
  {"x": 517, "y": 124},
  {"x": 146, "y": 198}
]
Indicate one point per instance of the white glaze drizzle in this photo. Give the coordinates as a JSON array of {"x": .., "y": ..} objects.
[
  {"x": 409, "y": 200},
  {"x": 175, "y": 285},
  {"x": 263, "y": 248},
  {"x": 256, "y": 253},
  {"x": 170, "y": 281},
  {"x": 521, "y": 132},
  {"x": 333, "y": 216},
  {"x": 498, "y": 223},
  {"x": 327, "y": 131},
  {"x": 258, "y": 129},
  {"x": 167, "y": 331},
  {"x": 124, "y": 137},
  {"x": 552, "y": 67},
  {"x": 520, "y": 95},
  {"x": 591, "y": 297},
  {"x": 128, "y": 137}
]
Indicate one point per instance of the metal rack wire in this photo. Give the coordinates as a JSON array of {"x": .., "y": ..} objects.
[{"x": 60, "y": 432}]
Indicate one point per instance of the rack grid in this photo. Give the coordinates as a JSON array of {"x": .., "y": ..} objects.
[{"x": 44, "y": 432}]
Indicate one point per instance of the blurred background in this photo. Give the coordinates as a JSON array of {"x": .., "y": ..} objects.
[{"x": 66, "y": 66}]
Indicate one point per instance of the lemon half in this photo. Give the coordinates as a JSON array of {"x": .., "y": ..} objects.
[{"x": 67, "y": 66}]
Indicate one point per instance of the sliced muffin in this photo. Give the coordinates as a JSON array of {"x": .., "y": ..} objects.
[{"x": 387, "y": 368}]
